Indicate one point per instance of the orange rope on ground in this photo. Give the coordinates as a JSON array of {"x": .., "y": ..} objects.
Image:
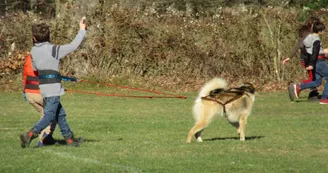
[{"x": 159, "y": 94}]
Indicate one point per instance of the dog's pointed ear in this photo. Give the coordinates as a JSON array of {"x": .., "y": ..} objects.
[
  {"x": 249, "y": 87},
  {"x": 248, "y": 84}
]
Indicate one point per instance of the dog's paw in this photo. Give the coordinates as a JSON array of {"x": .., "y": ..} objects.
[{"x": 199, "y": 139}]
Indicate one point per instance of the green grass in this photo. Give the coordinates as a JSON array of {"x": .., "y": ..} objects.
[{"x": 148, "y": 135}]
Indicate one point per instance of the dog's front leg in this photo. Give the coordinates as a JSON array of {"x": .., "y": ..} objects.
[{"x": 242, "y": 127}]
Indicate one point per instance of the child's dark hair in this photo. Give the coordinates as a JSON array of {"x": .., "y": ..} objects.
[
  {"x": 311, "y": 21},
  {"x": 306, "y": 28},
  {"x": 41, "y": 33},
  {"x": 318, "y": 27},
  {"x": 303, "y": 31}
]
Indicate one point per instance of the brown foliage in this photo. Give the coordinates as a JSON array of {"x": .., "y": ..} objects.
[{"x": 173, "y": 50}]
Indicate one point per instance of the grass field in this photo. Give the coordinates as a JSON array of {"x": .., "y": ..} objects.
[{"x": 148, "y": 135}]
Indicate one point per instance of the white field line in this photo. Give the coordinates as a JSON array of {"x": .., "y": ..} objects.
[
  {"x": 94, "y": 161},
  {"x": 9, "y": 128}
]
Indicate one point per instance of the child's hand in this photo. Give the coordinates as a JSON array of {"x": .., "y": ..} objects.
[
  {"x": 310, "y": 67},
  {"x": 24, "y": 95},
  {"x": 83, "y": 25},
  {"x": 285, "y": 60},
  {"x": 326, "y": 51}
]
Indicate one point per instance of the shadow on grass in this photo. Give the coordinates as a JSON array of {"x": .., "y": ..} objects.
[
  {"x": 309, "y": 100},
  {"x": 63, "y": 142},
  {"x": 235, "y": 138}
]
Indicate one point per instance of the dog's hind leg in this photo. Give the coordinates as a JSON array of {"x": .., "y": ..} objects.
[
  {"x": 199, "y": 126},
  {"x": 205, "y": 119},
  {"x": 197, "y": 136}
]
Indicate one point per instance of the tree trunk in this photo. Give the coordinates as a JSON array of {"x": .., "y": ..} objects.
[
  {"x": 32, "y": 4},
  {"x": 3, "y": 8}
]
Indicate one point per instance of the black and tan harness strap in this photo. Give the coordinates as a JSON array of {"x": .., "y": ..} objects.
[
  {"x": 215, "y": 100},
  {"x": 240, "y": 94},
  {"x": 233, "y": 99},
  {"x": 212, "y": 99}
]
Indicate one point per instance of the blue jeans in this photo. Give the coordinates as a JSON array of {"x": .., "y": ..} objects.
[
  {"x": 321, "y": 71},
  {"x": 53, "y": 110}
]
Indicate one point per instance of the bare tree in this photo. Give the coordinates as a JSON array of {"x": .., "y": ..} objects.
[
  {"x": 33, "y": 3},
  {"x": 3, "y": 7}
]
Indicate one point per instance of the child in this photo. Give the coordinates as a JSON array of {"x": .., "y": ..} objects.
[
  {"x": 303, "y": 32},
  {"x": 317, "y": 63},
  {"x": 33, "y": 96},
  {"x": 46, "y": 58}
]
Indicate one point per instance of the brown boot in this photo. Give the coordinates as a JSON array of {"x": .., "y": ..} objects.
[
  {"x": 73, "y": 142},
  {"x": 27, "y": 137}
]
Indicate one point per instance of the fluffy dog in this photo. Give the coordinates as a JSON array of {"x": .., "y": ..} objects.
[{"x": 215, "y": 98}]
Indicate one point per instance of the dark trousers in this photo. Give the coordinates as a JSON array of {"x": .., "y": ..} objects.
[{"x": 53, "y": 110}]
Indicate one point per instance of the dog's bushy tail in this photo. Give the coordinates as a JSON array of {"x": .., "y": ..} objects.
[{"x": 215, "y": 83}]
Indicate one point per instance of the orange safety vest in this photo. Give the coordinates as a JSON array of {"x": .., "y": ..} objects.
[{"x": 30, "y": 77}]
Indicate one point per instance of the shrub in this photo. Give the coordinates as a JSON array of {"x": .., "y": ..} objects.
[{"x": 170, "y": 48}]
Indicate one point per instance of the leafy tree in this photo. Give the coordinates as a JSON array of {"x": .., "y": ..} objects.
[{"x": 317, "y": 4}]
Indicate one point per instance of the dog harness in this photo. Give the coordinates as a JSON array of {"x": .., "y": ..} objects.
[{"x": 232, "y": 93}]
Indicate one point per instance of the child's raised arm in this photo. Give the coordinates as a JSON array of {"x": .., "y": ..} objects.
[{"x": 60, "y": 51}]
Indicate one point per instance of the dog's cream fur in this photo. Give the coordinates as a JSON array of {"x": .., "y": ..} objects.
[{"x": 237, "y": 111}]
